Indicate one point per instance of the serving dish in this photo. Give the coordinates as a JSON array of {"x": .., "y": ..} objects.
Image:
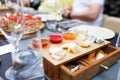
[
  {"x": 57, "y": 70},
  {"x": 54, "y": 68},
  {"x": 32, "y": 24},
  {"x": 95, "y": 30},
  {"x": 93, "y": 59}
]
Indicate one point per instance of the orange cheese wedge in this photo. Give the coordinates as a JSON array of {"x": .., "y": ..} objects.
[{"x": 91, "y": 55}]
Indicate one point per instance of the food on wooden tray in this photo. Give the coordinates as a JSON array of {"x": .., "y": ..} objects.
[
  {"x": 91, "y": 55},
  {"x": 86, "y": 44},
  {"x": 71, "y": 47},
  {"x": 55, "y": 38},
  {"x": 69, "y": 35},
  {"x": 81, "y": 40},
  {"x": 96, "y": 55},
  {"x": 74, "y": 48},
  {"x": 100, "y": 40},
  {"x": 100, "y": 54},
  {"x": 82, "y": 36},
  {"x": 57, "y": 53}
]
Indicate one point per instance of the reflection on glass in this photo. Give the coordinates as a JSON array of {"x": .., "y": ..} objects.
[{"x": 12, "y": 22}]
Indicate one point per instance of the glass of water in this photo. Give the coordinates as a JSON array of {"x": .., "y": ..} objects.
[
  {"x": 28, "y": 65},
  {"x": 118, "y": 40}
]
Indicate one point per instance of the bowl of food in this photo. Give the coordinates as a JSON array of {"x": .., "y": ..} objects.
[
  {"x": 55, "y": 38},
  {"x": 69, "y": 35}
]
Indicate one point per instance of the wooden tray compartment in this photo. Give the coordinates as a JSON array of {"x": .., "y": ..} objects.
[{"x": 93, "y": 68}]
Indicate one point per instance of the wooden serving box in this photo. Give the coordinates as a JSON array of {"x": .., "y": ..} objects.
[{"x": 59, "y": 70}]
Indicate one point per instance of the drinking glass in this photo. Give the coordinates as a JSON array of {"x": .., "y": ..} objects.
[
  {"x": 118, "y": 40},
  {"x": 12, "y": 22},
  {"x": 118, "y": 73},
  {"x": 28, "y": 65},
  {"x": 52, "y": 15},
  {"x": 60, "y": 7},
  {"x": 56, "y": 9}
]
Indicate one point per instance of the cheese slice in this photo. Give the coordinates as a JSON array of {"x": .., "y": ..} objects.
[
  {"x": 100, "y": 54},
  {"x": 57, "y": 53},
  {"x": 74, "y": 48},
  {"x": 85, "y": 44},
  {"x": 65, "y": 46},
  {"x": 71, "y": 47}
]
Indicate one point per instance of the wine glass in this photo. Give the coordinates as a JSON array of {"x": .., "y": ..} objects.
[
  {"x": 60, "y": 7},
  {"x": 12, "y": 22}
]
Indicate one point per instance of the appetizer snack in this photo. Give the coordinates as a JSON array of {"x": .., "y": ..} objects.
[
  {"x": 74, "y": 48},
  {"x": 91, "y": 55},
  {"x": 83, "y": 36},
  {"x": 86, "y": 44},
  {"x": 31, "y": 23},
  {"x": 57, "y": 53},
  {"x": 100, "y": 54},
  {"x": 71, "y": 47},
  {"x": 100, "y": 40},
  {"x": 55, "y": 38}
]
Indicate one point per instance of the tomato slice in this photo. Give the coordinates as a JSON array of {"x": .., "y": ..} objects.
[
  {"x": 12, "y": 18},
  {"x": 55, "y": 38},
  {"x": 29, "y": 16},
  {"x": 29, "y": 23},
  {"x": 3, "y": 23}
]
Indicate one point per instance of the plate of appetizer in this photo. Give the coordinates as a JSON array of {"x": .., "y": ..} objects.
[{"x": 32, "y": 24}]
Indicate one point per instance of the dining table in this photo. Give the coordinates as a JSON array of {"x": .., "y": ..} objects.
[{"x": 6, "y": 61}]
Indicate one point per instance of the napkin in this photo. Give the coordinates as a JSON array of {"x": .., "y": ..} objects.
[{"x": 6, "y": 49}]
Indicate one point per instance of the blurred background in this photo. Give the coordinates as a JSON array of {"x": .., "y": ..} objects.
[{"x": 112, "y": 7}]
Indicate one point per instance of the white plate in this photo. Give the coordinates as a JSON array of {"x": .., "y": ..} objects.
[
  {"x": 46, "y": 17},
  {"x": 95, "y": 30}
]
